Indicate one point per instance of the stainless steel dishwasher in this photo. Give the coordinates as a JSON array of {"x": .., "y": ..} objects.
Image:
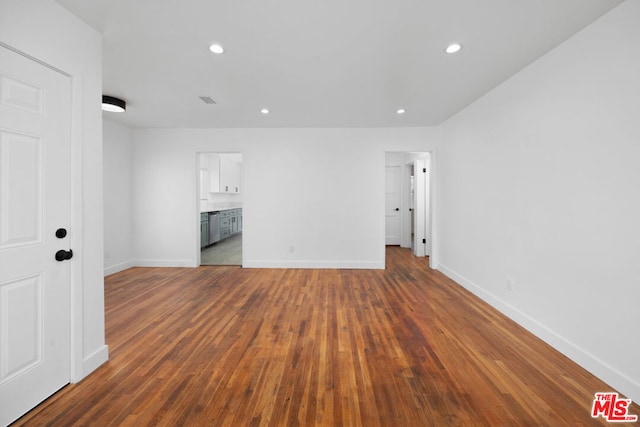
[{"x": 214, "y": 227}]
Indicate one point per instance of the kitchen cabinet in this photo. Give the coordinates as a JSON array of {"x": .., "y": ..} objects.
[
  {"x": 213, "y": 169},
  {"x": 224, "y": 173},
  {"x": 225, "y": 224},
  {"x": 229, "y": 175},
  {"x": 204, "y": 177},
  {"x": 234, "y": 224},
  {"x": 230, "y": 222}
]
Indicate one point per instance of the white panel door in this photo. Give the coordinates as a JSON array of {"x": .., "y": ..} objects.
[
  {"x": 35, "y": 104},
  {"x": 419, "y": 208},
  {"x": 393, "y": 188}
]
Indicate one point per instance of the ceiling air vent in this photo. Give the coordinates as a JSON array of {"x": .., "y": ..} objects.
[{"x": 207, "y": 99}]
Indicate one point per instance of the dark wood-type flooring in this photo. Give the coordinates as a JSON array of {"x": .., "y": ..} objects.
[{"x": 225, "y": 346}]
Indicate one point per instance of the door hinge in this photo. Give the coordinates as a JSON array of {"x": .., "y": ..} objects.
[{"x": 424, "y": 241}]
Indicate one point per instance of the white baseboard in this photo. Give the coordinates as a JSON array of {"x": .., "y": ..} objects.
[
  {"x": 95, "y": 360},
  {"x": 148, "y": 263},
  {"x": 164, "y": 263},
  {"x": 118, "y": 268},
  {"x": 622, "y": 383},
  {"x": 360, "y": 265}
]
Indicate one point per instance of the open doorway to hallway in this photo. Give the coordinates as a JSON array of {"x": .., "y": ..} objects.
[{"x": 408, "y": 201}]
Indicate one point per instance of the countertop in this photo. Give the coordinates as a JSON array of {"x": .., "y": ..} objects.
[{"x": 226, "y": 208}]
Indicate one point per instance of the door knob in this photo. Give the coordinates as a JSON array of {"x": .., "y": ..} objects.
[
  {"x": 62, "y": 255},
  {"x": 397, "y": 209}
]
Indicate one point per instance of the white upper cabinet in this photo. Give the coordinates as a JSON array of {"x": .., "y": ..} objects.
[
  {"x": 229, "y": 174},
  {"x": 214, "y": 172},
  {"x": 224, "y": 172}
]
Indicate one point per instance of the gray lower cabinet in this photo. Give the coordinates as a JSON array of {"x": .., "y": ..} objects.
[
  {"x": 236, "y": 221},
  {"x": 225, "y": 225},
  {"x": 230, "y": 222}
]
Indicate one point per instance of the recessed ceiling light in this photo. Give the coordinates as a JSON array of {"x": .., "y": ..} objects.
[
  {"x": 453, "y": 48},
  {"x": 216, "y": 48},
  {"x": 265, "y": 111},
  {"x": 400, "y": 111}
]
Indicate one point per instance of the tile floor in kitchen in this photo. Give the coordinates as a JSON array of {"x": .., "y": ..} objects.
[{"x": 226, "y": 252}]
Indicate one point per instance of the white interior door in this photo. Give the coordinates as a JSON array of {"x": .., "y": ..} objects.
[
  {"x": 427, "y": 207},
  {"x": 406, "y": 237},
  {"x": 419, "y": 208},
  {"x": 393, "y": 220},
  {"x": 35, "y": 103}
]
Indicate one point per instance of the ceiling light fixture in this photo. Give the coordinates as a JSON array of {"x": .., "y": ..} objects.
[
  {"x": 400, "y": 111},
  {"x": 265, "y": 111},
  {"x": 216, "y": 48},
  {"x": 113, "y": 104},
  {"x": 453, "y": 48}
]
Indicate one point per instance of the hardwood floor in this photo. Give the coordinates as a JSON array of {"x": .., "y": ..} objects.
[{"x": 406, "y": 346}]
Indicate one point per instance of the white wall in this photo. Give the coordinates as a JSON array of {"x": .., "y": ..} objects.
[
  {"x": 118, "y": 197},
  {"x": 312, "y": 197},
  {"x": 538, "y": 184},
  {"x": 46, "y": 31}
]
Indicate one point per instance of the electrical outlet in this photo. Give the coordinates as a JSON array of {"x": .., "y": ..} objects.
[
  {"x": 510, "y": 283},
  {"x": 292, "y": 249}
]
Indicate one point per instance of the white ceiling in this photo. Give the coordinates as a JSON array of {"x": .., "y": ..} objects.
[{"x": 318, "y": 63}]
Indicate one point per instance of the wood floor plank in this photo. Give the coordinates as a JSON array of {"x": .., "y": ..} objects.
[{"x": 225, "y": 346}]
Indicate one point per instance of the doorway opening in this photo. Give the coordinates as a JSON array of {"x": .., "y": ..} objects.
[
  {"x": 220, "y": 202},
  {"x": 408, "y": 201}
]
